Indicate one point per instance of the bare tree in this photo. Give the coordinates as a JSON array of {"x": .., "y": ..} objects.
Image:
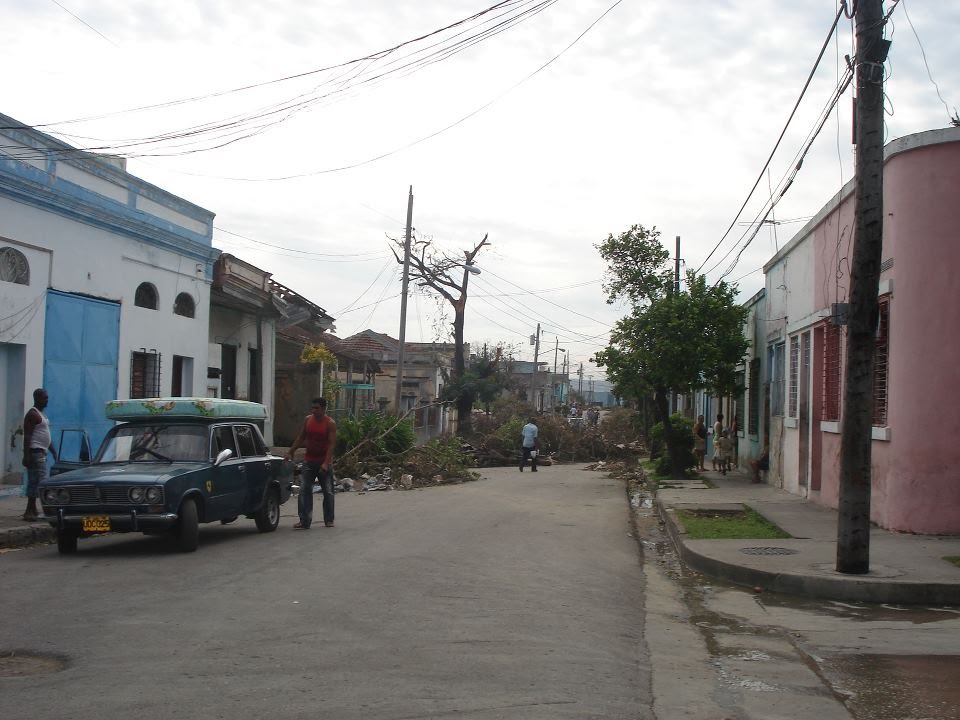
[{"x": 438, "y": 271}]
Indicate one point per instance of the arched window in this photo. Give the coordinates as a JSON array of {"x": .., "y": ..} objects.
[
  {"x": 147, "y": 296},
  {"x": 184, "y": 305},
  {"x": 14, "y": 267}
]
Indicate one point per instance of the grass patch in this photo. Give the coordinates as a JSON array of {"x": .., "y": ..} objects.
[
  {"x": 955, "y": 559},
  {"x": 728, "y": 524}
]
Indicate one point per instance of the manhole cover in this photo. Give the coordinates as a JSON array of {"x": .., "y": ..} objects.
[
  {"x": 768, "y": 551},
  {"x": 21, "y": 663}
]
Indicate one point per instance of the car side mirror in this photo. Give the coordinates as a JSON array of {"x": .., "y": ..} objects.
[{"x": 223, "y": 455}]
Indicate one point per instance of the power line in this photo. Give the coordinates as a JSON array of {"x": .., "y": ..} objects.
[
  {"x": 251, "y": 86},
  {"x": 295, "y": 250},
  {"x": 783, "y": 132},
  {"x": 243, "y": 126},
  {"x": 80, "y": 19},
  {"x": 954, "y": 119}
]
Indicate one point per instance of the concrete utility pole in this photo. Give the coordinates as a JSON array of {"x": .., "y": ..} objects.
[
  {"x": 853, "y": 526},
  {"x": 403, "y": 305},
  {"x": 580, "y": 384},
  {"x": 533, "y": 375},
  {"x": 676, "y": 269}
]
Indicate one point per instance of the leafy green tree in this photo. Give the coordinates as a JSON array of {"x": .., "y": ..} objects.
[
  {"x": 481, "y": 382},
  {"x": 670, "y": 341}
]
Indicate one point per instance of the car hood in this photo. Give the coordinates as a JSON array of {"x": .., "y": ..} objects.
[{"x": 125, "y": 473}]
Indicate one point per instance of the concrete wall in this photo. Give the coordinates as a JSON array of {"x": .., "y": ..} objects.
[
  {"x": 87, "y": 227},
  {"x": 915, "y": 480}
]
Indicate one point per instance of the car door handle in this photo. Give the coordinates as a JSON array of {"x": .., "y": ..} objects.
[{"x": 243, "y": 468}]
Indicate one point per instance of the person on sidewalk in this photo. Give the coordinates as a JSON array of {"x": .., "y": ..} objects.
[
  {"x": 529, "y": 445},
  {"x": 717, "y": 429},
  {"x": 725, "y": 449},
  {"x": 700, "y": 442},
  {"x": 319, "y": 436},
  {"x": 761, "y": 463},
  {"x": 36, "y": 443}
]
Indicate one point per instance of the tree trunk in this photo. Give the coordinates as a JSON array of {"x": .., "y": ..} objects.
[
  {"x": 663, "y": 415},
  {"x": 464, "y": 411}
]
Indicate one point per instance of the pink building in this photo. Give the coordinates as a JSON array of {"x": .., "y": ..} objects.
[{"x": 916, "y": 457}]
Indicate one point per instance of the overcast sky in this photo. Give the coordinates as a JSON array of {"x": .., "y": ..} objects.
[{"x": 662, "y": 114}]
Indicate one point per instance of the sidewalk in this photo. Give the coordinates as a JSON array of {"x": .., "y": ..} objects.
[
  {"x": 905, "y": 569},
  {"x": 14, "y": 531}
]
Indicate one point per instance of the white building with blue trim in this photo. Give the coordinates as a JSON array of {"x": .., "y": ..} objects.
[{"x": 104, "y": 286}]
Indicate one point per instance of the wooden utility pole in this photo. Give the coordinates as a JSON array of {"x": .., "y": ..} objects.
[
  {"x": 403, "y": 305},
  {"x": 853, "y": 526}
]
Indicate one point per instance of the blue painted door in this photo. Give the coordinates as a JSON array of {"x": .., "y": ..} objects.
[{"x": 81, "y": 347}]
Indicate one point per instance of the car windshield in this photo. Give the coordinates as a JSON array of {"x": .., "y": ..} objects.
[{"x": 155, "y": 443}]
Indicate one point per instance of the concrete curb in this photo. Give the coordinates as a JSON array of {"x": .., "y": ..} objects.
[
  {"x": 825, "y": 587},
  {"x": 32, "y": 534}
]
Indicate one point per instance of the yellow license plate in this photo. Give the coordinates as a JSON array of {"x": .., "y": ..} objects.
[{"x": 96, "y": 523}]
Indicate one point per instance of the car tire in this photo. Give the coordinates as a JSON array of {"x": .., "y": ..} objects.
[
  {"x": 268, "y": 516},
  {"x": 187, "y": 533},
  {"x": 66, "y": 542}
]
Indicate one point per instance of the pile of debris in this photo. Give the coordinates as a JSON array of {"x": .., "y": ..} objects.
[{"x": 385, "y": 480}]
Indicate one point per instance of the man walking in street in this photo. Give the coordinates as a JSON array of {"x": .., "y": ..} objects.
[
  {"x": 319, "y": 436},
  {"x": 36, "y": 443},
  {"x": 529, "y": 445}
]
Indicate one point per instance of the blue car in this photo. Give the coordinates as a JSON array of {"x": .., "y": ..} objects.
[{"x": 173, "y": 464}]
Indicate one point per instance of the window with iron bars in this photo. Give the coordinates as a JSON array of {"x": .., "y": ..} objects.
[
  {"x": 794, "y": 376},
  {"x": 777, "y": 372},
  {"x": 753, "y": 398},
  {"x": 740, "y": 403},
  {"x": 880, "y": 367},
  {"x": 832, "y": 344},
  {"x": 145, "y": 374}
]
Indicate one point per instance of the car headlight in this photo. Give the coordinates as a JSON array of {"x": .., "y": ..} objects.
[
  {"x": 136, "y": 494},
  {"x": 63, "y": 496},
  {"x": 50, "y": 496},
  {"x": 154, "y": 495}
]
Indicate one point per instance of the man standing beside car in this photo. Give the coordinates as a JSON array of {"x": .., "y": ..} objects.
[
  {"x": 319, "y": 436},
  {"x": 36, "y": 443}
]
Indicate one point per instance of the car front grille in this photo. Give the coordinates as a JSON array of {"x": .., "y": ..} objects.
[
  {"x": 84, "y": 495},
  {"x": 115, "y": 495},
  {"x": 112, "y": 495}
]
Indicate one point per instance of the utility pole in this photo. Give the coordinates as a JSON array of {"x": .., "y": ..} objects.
[
  {"x": 533, "y": 375},
  {"x": 553, "y": 385},
  {"x": 403, "y": 304},
  {"x": 676, "y": 269},
  {"x": 853, "y": 526},
  {"x": 580, "y": 385}
]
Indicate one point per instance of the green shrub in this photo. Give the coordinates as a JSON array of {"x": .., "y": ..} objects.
[
  {"x": 681, "y": 456},
  {"x": 444, "y": 455},
  {"x": 375, "y": 436}
]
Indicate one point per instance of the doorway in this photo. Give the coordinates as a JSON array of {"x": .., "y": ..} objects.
[{"x": 12, "y": 391}]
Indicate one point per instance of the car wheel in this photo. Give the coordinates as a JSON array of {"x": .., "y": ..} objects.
[
  {"x": 66, "y": 542},
  {"x": 188, "y": 528},
  {"x": 268, "y": 516}
]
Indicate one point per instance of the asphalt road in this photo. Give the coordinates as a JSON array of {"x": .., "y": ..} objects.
[{"x": 517, "y": 596}]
